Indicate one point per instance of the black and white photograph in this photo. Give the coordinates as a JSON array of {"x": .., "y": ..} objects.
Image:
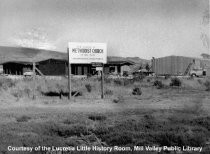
[{"x": 104, "y": 77}]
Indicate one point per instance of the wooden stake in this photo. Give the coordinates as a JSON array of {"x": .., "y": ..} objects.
[
  {"x": 69, "y": 76},
  {"x": 34, "y": 82},
  {"x": 102, "y": 82}
]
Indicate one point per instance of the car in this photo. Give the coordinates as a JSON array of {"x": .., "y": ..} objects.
[
  {"x": 197, "y": 72},
  {"x": 28, "y": 73}
]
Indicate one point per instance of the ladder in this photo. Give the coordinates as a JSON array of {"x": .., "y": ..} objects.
[{"x": 188, "y": 69}]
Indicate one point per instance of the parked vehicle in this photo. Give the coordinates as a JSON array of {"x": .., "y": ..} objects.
[
  {"x": 28, "y": 73},
  {"x": 198, "y": 72}
]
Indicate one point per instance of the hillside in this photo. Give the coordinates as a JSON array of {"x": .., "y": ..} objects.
[
  {"x": 138, "y": 60},
  {"x": 29, "y": 55},
  {"x": 135, "y": 60}
]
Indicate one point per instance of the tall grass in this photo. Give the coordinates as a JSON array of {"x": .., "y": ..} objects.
[
  {"x": 89, "y": 88},
  {"x": 6, "y": 83},
  {"x": 207, "y": 85}
]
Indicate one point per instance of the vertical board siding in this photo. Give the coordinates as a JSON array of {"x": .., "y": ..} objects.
[
  {"x": 79, "y": 70},
  {"x": 208, "y": 72},
  {"x": 85, "y": 70},
  {"x": 171, "y": 65},
  {"x": 106, "y": 70}
]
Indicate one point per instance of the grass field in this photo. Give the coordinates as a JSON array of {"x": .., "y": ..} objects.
[{"x": 133, "y": 112}]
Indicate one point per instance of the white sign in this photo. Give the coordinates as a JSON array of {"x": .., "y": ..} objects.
[
  {"x": 86, "y": 53},
  {"x": 99, "y": 68}
]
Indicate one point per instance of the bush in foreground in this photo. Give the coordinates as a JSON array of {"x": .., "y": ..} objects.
[
  {"x": 88, "y": 87},
  {"x": 23, "y": 118},
  {"x": 207, "y": 85},
  {"x": 108, "y": 92},
  {"x": 118, "y": 99},
  {"x": 6, "y": 83},
  {"x": 175, "y": 82},
  {"x": 118, "y": 82},
  {"x": 158, "y": 84},
  {"x": 97, "y": 117},
  {"x": 137, "y": 91}
]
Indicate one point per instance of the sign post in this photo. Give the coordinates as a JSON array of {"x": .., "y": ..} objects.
[
  {"x": 34, "y": 82},
  {"x": 102, "y": 82},
  {"x": 87, "y": 53},
  {"x": 69, "y": 77}
]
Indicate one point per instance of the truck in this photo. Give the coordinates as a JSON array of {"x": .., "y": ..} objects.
[{"x": 197, "y": 72}]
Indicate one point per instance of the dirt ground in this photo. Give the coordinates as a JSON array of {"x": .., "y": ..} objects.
[{"x": 182, "y": 113}]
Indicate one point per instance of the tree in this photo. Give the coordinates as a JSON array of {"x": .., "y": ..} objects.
[{"x": 147, "y": 67}]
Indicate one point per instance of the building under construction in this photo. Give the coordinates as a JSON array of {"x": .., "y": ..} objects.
[
  {"x": 57, "y": 67},
  {"x": 178, "y": 65}
]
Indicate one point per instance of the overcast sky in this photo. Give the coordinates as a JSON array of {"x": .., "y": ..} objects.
[{"x": 142, "y": 28}]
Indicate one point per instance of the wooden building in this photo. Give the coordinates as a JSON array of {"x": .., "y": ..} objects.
[
  {"x": 60, "y": 67},
  {"x": 174, "y": 65},
  {"x": 53, "y": 67},
  {"x": 56, "y": 67},
  {"x": 16, "y": 68},
  {"x": 117, "y": 67}
]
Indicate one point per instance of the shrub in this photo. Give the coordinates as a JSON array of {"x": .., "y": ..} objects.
[
  {"x": 170, "y": 138},
  {"x": 119, "y": 99},
  {"x": 175, "y": 82},
  {"x": 121, "y": 138},
  {"x": 158, "y": 84},
  {"x": 89, "y": 75},
  {"x": 139, "y": 77},
  {"x": 200, "y": 81},
  {"x": 116, "y": 100},
  {"x": 125, "y": 73},
  {"x": 39, "y": 88},
  {"x": 97, "y": 117},
  {"x": 108, "y": 92},
  {"x": 167, "y": 76},
  {"x": 207, "y": 85},
  {"x": 137, "y": 91},
  {"x": 118, "y": 82},
  {"x": 101, "y": 130},
  {"x": 6, "y": 83},
  {"x": 126, "y": 82},
  {"x": 26, "y": 79},
  {"x": 107, "y": 80},
  {"x": 68, "y": 130},
  {"x": 23, "y": 118},
  {"x": 9, "y": 83},
  {"x": 88, "y": 87},
  {"x": 203, "y": 121},
  {"x": 123, "y": 82},
  {"x": 17, "y": 93},
  {"x": 27, "y": 91}
]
